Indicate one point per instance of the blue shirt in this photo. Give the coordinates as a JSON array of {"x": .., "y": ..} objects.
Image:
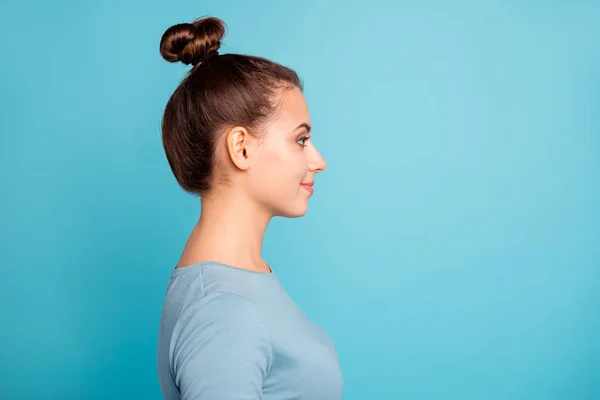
[{"x": 232, "y": 334}]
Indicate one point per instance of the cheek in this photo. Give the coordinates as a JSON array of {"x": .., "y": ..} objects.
[{"x": 280, "y": 168}]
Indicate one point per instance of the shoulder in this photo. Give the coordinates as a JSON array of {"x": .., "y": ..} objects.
[
  {"x": 228, "y": 307},
  {"x": 221, "y": 318},
  {"x": 221, "y": 328}
]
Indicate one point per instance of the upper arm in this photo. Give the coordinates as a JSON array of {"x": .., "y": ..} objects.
[{"x": 221, "y": 350}]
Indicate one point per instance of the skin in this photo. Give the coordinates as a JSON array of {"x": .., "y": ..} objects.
[{"x": 262, "y": 182}]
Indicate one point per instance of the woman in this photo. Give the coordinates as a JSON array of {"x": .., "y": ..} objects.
[{"x": 237, "y": 133}]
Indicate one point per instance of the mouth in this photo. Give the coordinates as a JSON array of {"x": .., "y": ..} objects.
[{"x": 308, "y": 186}]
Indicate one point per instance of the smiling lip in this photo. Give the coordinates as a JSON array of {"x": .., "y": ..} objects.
[{"x": 308, "y": 186}]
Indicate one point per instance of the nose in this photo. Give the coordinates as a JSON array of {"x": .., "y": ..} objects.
[{"x": 316, "y": 163}]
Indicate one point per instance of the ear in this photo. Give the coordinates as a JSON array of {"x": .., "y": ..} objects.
[{"x": 239, "y": 142}]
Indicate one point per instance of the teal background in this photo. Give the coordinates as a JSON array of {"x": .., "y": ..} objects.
[{"x": 451, "y": 250}]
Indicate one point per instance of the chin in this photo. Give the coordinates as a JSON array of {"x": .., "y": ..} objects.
[
  {"x": 294, "y": 214},
  {"x": 298, "y": 211}
]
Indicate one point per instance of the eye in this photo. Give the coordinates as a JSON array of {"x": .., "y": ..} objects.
[{"x": 302, "y": 140}]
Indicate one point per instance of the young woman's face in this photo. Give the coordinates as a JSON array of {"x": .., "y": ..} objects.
[{"x": 284, "y": 167}]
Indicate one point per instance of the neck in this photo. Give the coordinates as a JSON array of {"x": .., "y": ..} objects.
[{"x": 230, "y": 230}]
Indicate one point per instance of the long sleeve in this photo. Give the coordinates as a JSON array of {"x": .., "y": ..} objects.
[{"x": 221, "y": 349}]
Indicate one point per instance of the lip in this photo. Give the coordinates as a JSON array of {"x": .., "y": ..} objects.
[{"x": 308, "y": 186}]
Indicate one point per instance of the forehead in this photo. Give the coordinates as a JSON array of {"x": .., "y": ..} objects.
[{"x": 293, "y": 110}]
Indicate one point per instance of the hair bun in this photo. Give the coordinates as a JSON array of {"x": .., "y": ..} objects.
[{"x": 191, "y": 42}]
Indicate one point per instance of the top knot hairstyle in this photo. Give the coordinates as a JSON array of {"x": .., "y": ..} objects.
[{"x": 219, "y": 93}]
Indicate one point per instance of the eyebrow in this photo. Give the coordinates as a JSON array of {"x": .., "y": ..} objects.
[{"x": 303, "y": 125}]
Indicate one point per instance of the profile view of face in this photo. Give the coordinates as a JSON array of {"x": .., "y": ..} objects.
[{"x": 286, "y": 161}]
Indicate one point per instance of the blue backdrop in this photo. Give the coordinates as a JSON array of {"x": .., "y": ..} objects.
[{"x": 451, "y": 250}]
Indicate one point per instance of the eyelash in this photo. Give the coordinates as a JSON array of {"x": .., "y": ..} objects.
[{"x": 305, "y": 138}]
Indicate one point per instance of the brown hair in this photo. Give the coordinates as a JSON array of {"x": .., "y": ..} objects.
[{"x": 219, "y": 93}]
